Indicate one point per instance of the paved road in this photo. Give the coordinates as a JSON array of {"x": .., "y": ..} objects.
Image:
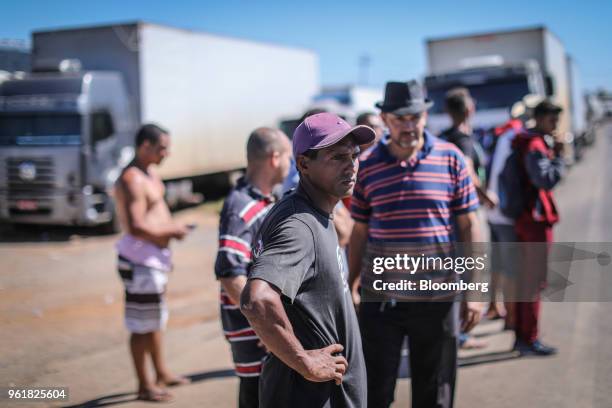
[
  {"x": 60, "y": 318},
  {"x": 580, "y": 376}
]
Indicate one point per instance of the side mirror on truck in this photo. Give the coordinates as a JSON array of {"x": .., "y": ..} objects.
[{"x": 101, "y": 128}]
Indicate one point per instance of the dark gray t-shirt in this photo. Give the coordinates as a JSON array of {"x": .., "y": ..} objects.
[{"x": 296, "y": 250}]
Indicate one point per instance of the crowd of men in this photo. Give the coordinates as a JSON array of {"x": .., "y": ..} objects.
[{"x": 294, "y": 301}]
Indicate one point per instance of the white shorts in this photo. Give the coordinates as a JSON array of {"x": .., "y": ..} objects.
[{"x": 145, "y": 304}]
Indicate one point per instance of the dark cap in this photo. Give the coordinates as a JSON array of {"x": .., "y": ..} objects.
[
  {"x": 404, "y": 98},
  {"x": 324, "y": 130},
  {"x": 546, "y": 107}
]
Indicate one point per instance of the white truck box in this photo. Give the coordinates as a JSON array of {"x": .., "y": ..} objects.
[{"x": 209, "y": 91}]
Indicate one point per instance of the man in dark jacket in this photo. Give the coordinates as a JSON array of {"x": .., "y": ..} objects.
[{"x": 541, "y": 152}]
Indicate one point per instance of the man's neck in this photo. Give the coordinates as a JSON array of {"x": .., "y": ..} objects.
[
  {"x": 320, "y": 199},
  {"x": 463, "y": 126},
  {"x": 141, "y": 165},
  {"x": 260, "y": 180},
  {"x": 406, "y": 153}
]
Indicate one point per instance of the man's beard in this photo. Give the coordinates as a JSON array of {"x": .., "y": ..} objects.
[{"x": 407, "y": 140}]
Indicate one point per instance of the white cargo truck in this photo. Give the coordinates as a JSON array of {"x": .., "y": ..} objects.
[
  {"x": 499, "y": 68},
  {"x": 65, "y": 134}
]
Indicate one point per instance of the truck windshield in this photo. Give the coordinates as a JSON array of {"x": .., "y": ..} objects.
[
  {"x": 40, "y": 129},
  {"x": 488, "y": 95}
]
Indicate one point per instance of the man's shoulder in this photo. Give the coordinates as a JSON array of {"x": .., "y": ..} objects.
[
  {"x": 287, "y": 208},
  {"x": 243, "y": 209},
  {"x": 131, "y": 177},
  {"x": 377, "y": 154},
  {"x": 529, "y": 141},
  {"x": 447, "y": 133},
  {"x": 292, "y": 209},
  {"x": 445, "y": 148},
  {"x": 289, "y": 214},
  {"x": 237, "y": 199},
  {"x": 452, "y": 134},
  {"x": 537, "y": 144}
]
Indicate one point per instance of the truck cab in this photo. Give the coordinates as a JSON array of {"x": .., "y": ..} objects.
[
  {"x": 64, "y": 137},
  {"x": 494, "y": 88}
]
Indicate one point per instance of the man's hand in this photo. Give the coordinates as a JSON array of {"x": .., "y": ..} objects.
[
  {"x": 470, "y": 315},
  {"x": 493, "y": 197},
  {"x": 559, "y": 149},
  {"x": 322, "y": 365},
  {"x": 490, "y": 199},
  {"x": 559, "y": 144},
  {"x": 261, "y": 305},
  {"x": 180, "y": 231}
]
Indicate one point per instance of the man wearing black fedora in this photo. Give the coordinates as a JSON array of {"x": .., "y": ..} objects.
[{"x": 413, "y": 192}]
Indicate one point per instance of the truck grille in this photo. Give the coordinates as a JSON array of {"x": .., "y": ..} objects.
[{"x": 29, "y": 177}]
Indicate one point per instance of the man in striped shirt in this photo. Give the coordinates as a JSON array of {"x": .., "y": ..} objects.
[
  {"x": 268, "y": 156},
  {"x": 412, "y": 189}
]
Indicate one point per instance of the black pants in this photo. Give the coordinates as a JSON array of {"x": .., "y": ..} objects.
[
  {"x": 248, "y": 395},
  {"x": 432, "y": 334}
]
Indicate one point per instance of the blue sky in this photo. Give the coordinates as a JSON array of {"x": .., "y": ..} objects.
[{"x": 392, "y": 33}]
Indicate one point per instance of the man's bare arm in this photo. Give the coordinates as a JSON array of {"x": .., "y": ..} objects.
[
  {"x": 484, "y": 197},
  {"x": 233, "y": 286},
  {"x": 344, "y": 225},
  {"x": 468, "y": 227},
  {"x": 261, "y": 304},
  {"x": 135, "y": 201},
  {"x": 357, "y": 246}
]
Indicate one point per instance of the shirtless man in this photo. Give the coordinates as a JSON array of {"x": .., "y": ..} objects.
[{"x": 144, "y": 258}]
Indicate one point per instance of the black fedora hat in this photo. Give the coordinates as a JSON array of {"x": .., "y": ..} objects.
[{"x": 404, "y": 98}]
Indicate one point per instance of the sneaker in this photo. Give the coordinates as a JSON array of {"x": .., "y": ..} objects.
[{"x": 537, "y": 348}]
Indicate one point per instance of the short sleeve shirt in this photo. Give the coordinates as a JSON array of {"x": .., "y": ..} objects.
[
  {"x": 297, "y": 251},
  {"x": 243, "y": 213},
  {"x": 413, "y": 200},
  {"x": 465, "y": 143}
]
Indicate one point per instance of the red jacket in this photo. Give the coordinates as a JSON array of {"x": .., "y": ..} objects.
[{"x": 543, "y": 170}]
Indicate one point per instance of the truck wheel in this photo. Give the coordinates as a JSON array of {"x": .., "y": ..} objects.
[{"x": 7, "y": 228}]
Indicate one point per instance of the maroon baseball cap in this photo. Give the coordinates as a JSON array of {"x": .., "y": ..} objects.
[{"x": 326, "y": 129}]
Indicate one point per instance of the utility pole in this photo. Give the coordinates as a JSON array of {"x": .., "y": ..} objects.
[{"x": 364, "y": 69}]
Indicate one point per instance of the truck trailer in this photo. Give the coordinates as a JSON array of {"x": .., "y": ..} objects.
[{"x": 67, "y": 129}]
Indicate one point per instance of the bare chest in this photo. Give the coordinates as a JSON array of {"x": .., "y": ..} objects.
[{"x": 155, "y": 190}]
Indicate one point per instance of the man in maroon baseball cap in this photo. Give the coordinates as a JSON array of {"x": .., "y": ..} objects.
[
  {"x": 297, "y": 297},
  {"x": 326, "y": 129},
  {"x": 315, "y": 141}
]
